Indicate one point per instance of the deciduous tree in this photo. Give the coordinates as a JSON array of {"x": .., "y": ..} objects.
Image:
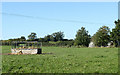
[
  {"x": 32, "y": 36},
  {"x": 58, "y": 36},
  {"x": 82, "y": 37},
  {"x": 115, "y": 34},
  {"x": 102, "y": 36}
]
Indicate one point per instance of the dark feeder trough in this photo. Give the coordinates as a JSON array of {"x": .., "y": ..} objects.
[{"x": 26, "y": 47}]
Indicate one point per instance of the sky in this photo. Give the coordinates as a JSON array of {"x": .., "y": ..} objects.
[{"x": 43, "y": 18}]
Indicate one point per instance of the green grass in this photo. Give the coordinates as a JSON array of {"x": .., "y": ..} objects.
[
  {"x": 53, "y": 42},
  {"x": 62, "y": 60}
]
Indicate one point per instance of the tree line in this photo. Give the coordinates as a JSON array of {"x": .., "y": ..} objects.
[{"x": 101, "y": 38}]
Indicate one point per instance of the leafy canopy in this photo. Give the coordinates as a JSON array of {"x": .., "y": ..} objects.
[
  {"x": 115, "y": 34},
  {"x": 82, "y": 37},
  {"x": 102, "y": 36}
]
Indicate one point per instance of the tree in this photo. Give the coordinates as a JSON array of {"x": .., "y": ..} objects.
[
  {"x": 32, "y": 36},
  {"x": 41, "y": 40},
  {"x": 22, "y": 38},
  {"x": 115, "y": 34},
  {"x": 52, "y": 38},
  {"x": 102, "y": 36},
  {"x": 82, "y": 37},
  {"x": 57, "y": 36},
  {"x": 47, "y": 38}
]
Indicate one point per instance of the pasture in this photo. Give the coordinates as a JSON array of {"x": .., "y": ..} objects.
[{"x": 62, "y": 60}]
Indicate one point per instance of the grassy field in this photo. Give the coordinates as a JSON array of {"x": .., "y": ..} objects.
[{"x": 62, "y": 60}]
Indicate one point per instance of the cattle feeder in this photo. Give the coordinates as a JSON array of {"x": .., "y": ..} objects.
[{"x": 26, "y": 47}]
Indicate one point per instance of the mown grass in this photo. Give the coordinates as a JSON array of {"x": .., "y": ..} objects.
[{"x": 62, "y": 60}]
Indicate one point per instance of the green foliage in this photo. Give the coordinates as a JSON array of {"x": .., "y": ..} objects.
[
  {"x": 47, "y": 44},
  {"x": 9, "y": 42},
  {"x": 41, "y": 40},
  {"x": 52, "y": 42},
  {"x": 62, "y": 60},
  {"x": 47, "y": 38},
  {"x": 32, "y": 36},
  {"x": 102, "y": 36},
  {"x": 82, "y": 37},
  {"x": 22, "y": 38},
  {"x": 22, "y": 44},
  {"x": 58, "y": 43},
  {"x": 115, "y": 34},
  {"x": 57, "y": 36},
  {"x": 65, "y": 43}
]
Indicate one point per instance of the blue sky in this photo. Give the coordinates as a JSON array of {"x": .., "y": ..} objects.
[{"x": 22, "y": 18}]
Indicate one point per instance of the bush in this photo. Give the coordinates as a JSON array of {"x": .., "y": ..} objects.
[
  {"x": 47, "y": 44},
  {"x": 60, "y": 43},
  {"x": 65, "y": 43}
]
